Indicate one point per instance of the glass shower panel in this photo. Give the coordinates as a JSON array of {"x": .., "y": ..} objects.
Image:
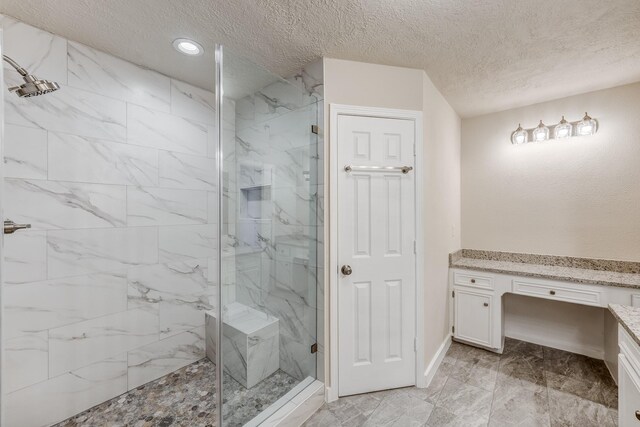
[
  {"x": 105, "y": 297},
  {"x": 269, "y": 261}
]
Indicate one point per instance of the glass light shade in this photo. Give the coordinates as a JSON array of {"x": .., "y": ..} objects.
[
  {"x": 519, "y": 136},
  {"x": 541, "y": 133},
  {"x": 586, "y": 126},
  {"x": 562, "y": 129}
]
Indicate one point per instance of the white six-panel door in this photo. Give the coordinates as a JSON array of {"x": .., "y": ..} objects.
[{"x": 376, "y": 232}]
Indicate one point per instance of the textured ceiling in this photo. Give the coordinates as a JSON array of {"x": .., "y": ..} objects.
[{"x": 484, "y": 55}]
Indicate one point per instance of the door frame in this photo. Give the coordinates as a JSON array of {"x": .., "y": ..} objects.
[{"x": 335, "y": 111}]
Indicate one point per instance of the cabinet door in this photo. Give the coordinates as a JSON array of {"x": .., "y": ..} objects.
[
  {"x": 629, "y": 394},
  {"x": 472, "y": 320}
]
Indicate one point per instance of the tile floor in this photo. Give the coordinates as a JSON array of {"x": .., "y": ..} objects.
[
  {"x": 185, "y": 398},
  {"x": 528, "y": 385}
]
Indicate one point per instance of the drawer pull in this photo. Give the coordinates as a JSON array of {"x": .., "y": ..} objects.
[
  {"x": 638, "y": 415},
  {"x": 473, "y": 280},
  {"x": 486, "y": 304},
  {"x": 552, "y": 292}
]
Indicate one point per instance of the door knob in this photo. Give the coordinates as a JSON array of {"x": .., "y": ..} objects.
[
  {"x": 346, "y": 270},
  {"x": 10, "y": 227}
]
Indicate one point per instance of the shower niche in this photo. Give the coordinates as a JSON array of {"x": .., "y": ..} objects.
[{"x": 255, "y": 203}]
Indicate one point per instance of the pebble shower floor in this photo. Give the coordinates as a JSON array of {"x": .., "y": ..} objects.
[{"x": 185, "y": 398}]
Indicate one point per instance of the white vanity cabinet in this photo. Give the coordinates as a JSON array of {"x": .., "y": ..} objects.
[
  {"x": 628, "y": 380},
  {"x": 473, "y": 315},
  {"x": 477, "y": 309},
  {"x": 477, "y": 312}
]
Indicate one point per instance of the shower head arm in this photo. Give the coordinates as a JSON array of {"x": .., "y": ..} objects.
[{"x": 15, "y": 65}]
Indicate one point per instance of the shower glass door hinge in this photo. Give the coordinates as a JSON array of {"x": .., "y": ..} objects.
[
  {"x": 315, "y": 129},
  {"x": 314, "y": 347}
]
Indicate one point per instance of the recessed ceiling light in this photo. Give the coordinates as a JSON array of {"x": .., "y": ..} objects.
[{"x": 188, "y": 47}]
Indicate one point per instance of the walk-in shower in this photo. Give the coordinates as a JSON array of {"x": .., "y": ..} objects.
[{"x": 172, "y": 270}]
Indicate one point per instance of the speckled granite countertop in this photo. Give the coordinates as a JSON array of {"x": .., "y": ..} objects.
[
  {"x": 629, "y": 318},
  {"x": 624, "y": 274}
]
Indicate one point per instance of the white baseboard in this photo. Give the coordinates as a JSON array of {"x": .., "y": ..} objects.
[
  {"x": 433, "y": 366},
  {"x": 331, "y": 394},
  {"x": 613, "y": 371},
  {"x": 573, "y": 347}
]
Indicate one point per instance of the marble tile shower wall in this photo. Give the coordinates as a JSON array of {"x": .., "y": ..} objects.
[
  {"x": 280, "y": 253},
  {"x": 116, "y": 174}
]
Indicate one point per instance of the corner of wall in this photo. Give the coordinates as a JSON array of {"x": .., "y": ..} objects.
[{"x": 442, "y": 219}]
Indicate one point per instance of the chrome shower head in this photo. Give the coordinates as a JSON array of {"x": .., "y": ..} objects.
[{"x": 32, "y": 86}]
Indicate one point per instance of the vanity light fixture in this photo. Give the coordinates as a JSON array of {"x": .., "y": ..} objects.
[
  {"x": 541, "y": 133},
  {"x": 564, "y": 129},
  {"x": 586, "y": 126},
  {"x": 188, "y": 47},
  {"x": 519, "y": 136}
]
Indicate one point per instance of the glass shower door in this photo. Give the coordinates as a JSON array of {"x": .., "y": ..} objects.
[{"x": 269, "y": 238}]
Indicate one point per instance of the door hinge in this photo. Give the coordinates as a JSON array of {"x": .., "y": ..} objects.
[
  {"x": 314, "y": 347},
  {"x": 315, "y": 129},
  {"x": 453, "y": 329},
  {"x": 453, "y": 294},
  {"x": 414, "y": 149}
]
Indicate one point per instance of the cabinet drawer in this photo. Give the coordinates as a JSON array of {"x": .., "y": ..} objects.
[
  {"x": 558, "y": 293},
  {"x": 472, "y": 279}
]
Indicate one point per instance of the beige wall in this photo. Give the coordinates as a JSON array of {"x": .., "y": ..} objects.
[
  {"x": 356, "y": 83},
  {"x": 572, "y": 327},
  {"x": 578, "y": 197},
  {"x": 371, "y": 85},
  {"x": 442, "y": 211}
]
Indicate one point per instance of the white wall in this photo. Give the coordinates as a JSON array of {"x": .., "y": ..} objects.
[
  {"x": 577, "y": 197},
  {"x": 362, "y": 84}
]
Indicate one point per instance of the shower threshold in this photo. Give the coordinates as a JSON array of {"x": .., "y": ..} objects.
[{"x": 186, "y": 397}]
